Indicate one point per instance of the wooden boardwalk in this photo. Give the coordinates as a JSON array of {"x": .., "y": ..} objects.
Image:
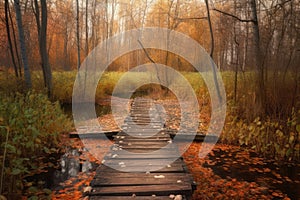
[{"x": 133, "y": 157}]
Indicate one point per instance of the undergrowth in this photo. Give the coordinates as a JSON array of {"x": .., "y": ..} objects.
[
  {"x": 275, "y": 135},
  {"x": 30, "y": 130},
  {"x": 268, "y": 137}
]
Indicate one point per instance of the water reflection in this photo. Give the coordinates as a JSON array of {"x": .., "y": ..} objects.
[{"x": 71, "y": 164}]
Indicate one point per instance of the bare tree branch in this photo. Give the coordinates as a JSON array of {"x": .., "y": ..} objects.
[
  {"x": 235, "y": 17},
  {"x": 145, "y": 51},
  {"x": 151, "y": 60},
  {"x": 210, "y": 30},
  {"x": 191, "y": 18},
  {"x": 188, "y": 18},
  {"x": 185, "y": 18},
  {"x": 282, "y": 3},
  {"x": 274, "y": 8}
]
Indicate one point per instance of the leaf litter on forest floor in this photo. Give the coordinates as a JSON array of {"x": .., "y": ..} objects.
[
  {"x": 227, "y": 178},
  {"x": 228, "y": 172}
]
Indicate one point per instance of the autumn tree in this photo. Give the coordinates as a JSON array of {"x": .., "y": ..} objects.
[
  {"x": 27, "y": 75},
  {"x": 41, "y": 16},
  {"x": 6, "y": 5}
]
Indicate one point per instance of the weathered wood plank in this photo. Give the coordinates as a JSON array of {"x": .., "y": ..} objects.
[
  {"x": 143, "y": 190},
  {"x": 113, "y": 150},
  {"x": 109, "y": 183},
  {"x": 139, "y": 162},
  {"x": 135, "y": 139},
  {"x": 145, "y": 135},
  {"x": 142, "y": 142},
  {"x": 150, "y": 155},
  {"x": 116, "y": 181},
  {"x": 134, "y": 197},
  {"x": 167, "y": 151},
  {"x": 129, "y": 122},
  {"x": 145, "y": 147},
  {"x": 119, "y": 174},
  {"x": 173, "y": 168}
]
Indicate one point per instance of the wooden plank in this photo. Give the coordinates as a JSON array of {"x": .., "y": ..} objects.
[
  {"x": 139, "y": 162},
  {"x": 130, "y": 122},
  {"x": 117, "y": 181},
  {"x": 132, "y": 197},
  {"x": 161, "y": 151},
  {"x": 143, "y": 190},
  {"x": 142, "y": 142},
  {"x": 135, "y": 139},
  {"x": 144, "y": 133},
  {"x": 136, "y": 167},
  {"x": 198, "y": 137},
  {"x": 138, "y": 134},
  {"x": 109, "y": 134},
  {"x": 149, "y": 155},
  {"x": 134, "y": 157},
  {"x": 141, "y": 128},
  {"x": 140, "y": 117},
  {"x": 149, "y": 168},
  {"x": 144, "y": 136},
  {"x": 117, "y": 174},
  {"x": 142, "y": 150},
  {"x": 144, "y": 125},
  {"x": 173, "y": 168},
  {"x": 145, "y": 148}
]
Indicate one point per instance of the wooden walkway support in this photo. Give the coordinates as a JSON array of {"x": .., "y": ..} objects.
[{"x": 169, "y": 182}]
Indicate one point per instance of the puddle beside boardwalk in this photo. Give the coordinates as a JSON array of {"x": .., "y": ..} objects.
[
  {"x": 69, "y": 165},
  {"x": 72, "y": 171},
  {"x": 72, "y": 166}
]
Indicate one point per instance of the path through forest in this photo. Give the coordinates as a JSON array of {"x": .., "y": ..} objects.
[{"x": 228, "y": 172}]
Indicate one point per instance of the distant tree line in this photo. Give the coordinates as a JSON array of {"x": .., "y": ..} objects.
[{"x": 248, "y": 36}]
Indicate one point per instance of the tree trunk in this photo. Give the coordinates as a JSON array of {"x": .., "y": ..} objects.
[
  {"x": 66, "y": 63},
  {"x": 212, "y": 46},
  {"x": 86, "y": 29},
  {"x": 9, "y": 38},
  {"x": 111, "y": 24},
  {"x": 43, "y": 43},
  {"x": 77, "y": 34},
  {"x": 42, "y": 35},
  {"x": 211, "y": 55},
  {"x": 260, "y": 91},
  {"x": 15, "y": 43},
  {"x": 245, "y": 52},
  {"x": 22, "y": 45}
]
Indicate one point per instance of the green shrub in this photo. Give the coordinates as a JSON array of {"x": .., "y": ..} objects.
[
  {"x": 33, "y": 125},
  {"x": 279, "y": 140},
  {"x": 63, "y": 83}
]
